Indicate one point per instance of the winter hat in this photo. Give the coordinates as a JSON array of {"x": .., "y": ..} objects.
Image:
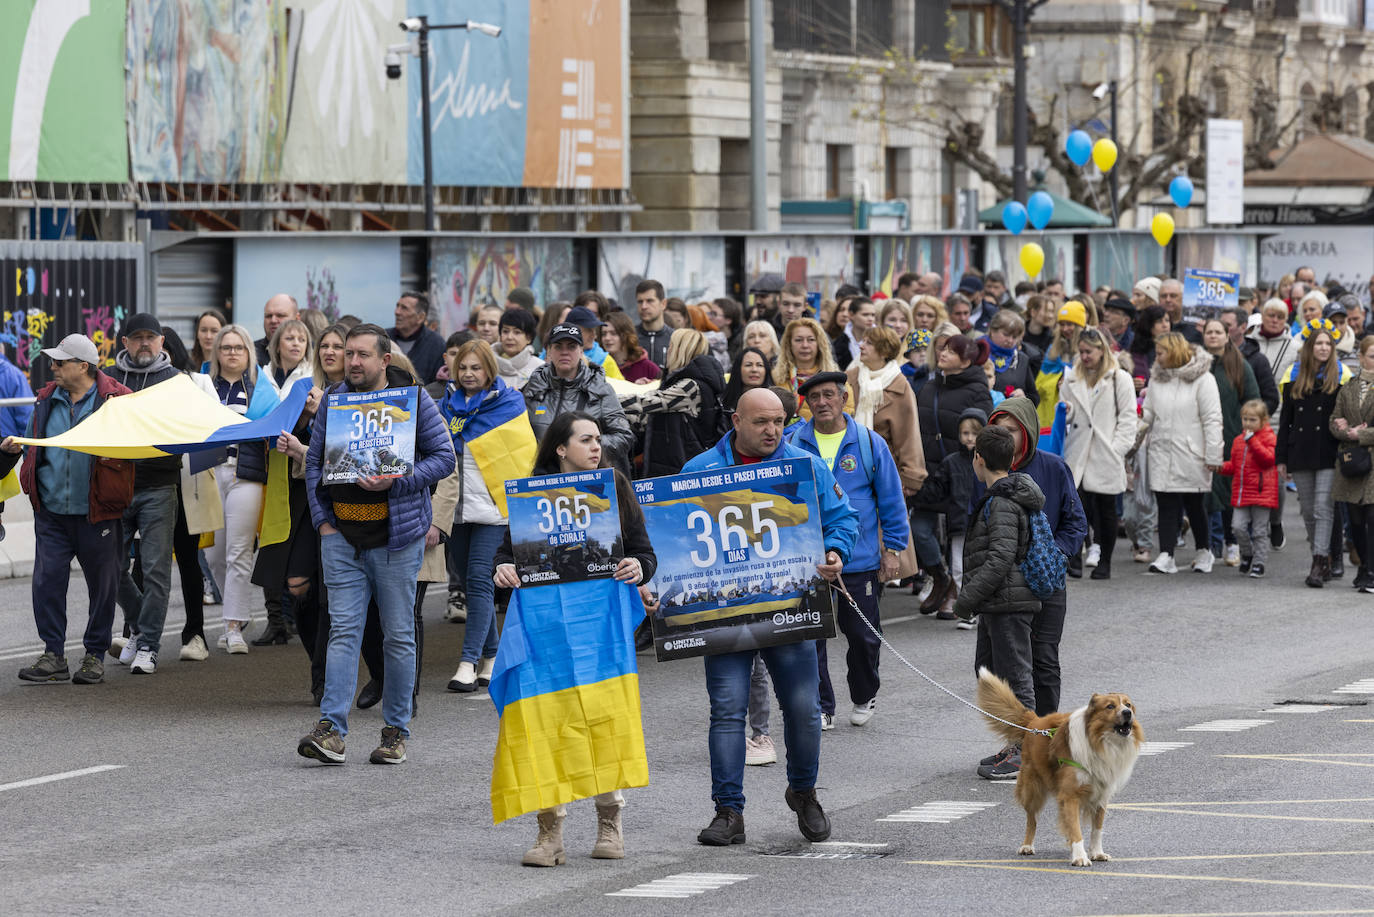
[
  {"x": 1073, "y": 311},
  {"x": 917, "y": 340},
  {"x": 1149, "y": 288}
]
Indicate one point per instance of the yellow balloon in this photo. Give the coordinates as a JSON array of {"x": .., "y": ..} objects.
[
  {"x": 1104, "y": 154},
  {"x": 1162, "y": 228},
  {"x": 1032, "y": 258}
]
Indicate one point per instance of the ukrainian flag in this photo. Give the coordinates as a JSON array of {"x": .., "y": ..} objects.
[
  {"x": 493, "y": 425},
  {"x": 567, "y": 690}
]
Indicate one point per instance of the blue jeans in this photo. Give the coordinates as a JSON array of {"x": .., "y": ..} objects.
[
  {"x": 925, "y": 538},
  {"x": 474, "y": 550},
  {"x": 153, "y": 515},
  {"x": 354, "y": 578},
  {"x": 795, "y": 679}
]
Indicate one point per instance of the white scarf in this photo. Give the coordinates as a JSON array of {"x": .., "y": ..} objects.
[{"x": 871, "y": 385}]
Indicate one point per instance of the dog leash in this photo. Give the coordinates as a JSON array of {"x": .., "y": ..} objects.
[{"x": 838, "y": 586}]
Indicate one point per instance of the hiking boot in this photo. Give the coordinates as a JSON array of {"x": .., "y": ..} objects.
[
  {"x": 811, "y": 818},
  {"x": 1003, "y": 770},
  {"x": 92, "y": 671},
  {"x": 324, "y": 744},
  {"x": 997, "y": 756},
  {"x": 725, "y": 829},
  {"x": 49, "y": 667},
  {"x": 393, "y": 747},
  {"x": 760, "y": 751},
  {"x": 548, "y": 847},
  {"x": 610, "y": 842}
]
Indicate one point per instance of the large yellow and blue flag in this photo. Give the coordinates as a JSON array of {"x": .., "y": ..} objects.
[
  {"x": 567, "y": 690},
  {"x": 494, "y": 427}
]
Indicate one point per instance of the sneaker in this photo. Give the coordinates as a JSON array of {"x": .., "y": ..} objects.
[
  {"x": 195, "y": 650},
  {"x": 49, "y": 667},
  {"x": 1245, "y": 563},
  {"x": 1003, "y": 770},
  {"x": 1368, "y": 587},
  {"x": 726, "y": 828},
  {"x": 811, "y": 818},
  {"x": 208, "y": 599},
  {"x": 1141, "y": 555},
  {"x": 1232, "y": 555},
  {"x": 997, "y": 756},
  {"x": 393, "y": 747},
  {"x": 1094, "y": 555},
  {"x": 145, "y": 662},
  {"x": 130, "y": 650},
  {"x": 967, "y": 623},
  {"x": 1164, "y": 563},
  {"x": 862, "y": 713},
  {"x": 760, "y": 751},
  {"x": 457, "y": 610},
  {"x": 1256, "y": 570},
  {"x": 117, "y": 645},
  {"x": 827, "y": 722},
  {"x": 1202, "y": 561},
  {"x": 1276, "y": 536},
  {"x": 324, "y": 744},
  {"x": 92, "y": 671},
  {"x": 234, "y": 644}
]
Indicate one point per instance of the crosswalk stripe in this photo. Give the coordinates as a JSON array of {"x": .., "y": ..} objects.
[
  {"x": 681, "y": 885},
  {"x": 1159, "y": 748},
  {"x": 1363, "y": 686},
  {"x": 1225, "y": 726},
  {"x": 1302, "y": 708},
  {"x": 939, "y": 811}
]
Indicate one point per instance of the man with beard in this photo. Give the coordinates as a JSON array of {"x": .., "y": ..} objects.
[{"x": 153, "y": 511}]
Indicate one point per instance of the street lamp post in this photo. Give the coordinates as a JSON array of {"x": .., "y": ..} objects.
[
  {"x": 421, "y": 27},
  {"x": 1020, "y": 11}
]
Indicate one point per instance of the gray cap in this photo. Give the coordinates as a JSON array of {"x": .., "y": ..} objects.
[
  {"x": 75, "y": 347},
  {"x": 767, "y": 283}
]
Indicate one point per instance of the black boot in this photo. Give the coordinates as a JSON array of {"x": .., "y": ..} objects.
[
  {"x": 1335, "y": 567},
  {"x": 1102, "y": 571},
  {"x": 370, "y": 695},
  {"x": 1076, "y": 566},
  {"x": 940, "y": 582},
  {"x": 1314, "y": 576}
]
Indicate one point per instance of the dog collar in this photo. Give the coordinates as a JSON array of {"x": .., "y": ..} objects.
[{"x": 1072, "y": 763}]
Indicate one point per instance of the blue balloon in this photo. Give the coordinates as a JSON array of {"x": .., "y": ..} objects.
[
  {"x": 1181, "y": 190},
  {"x": 1014, "y": 217},
  {"x": 1041, "y": 208},
  {"x": 1079, "y": 147}
]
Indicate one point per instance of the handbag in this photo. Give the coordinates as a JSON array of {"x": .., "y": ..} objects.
[{"x": 1353, "y": 460}]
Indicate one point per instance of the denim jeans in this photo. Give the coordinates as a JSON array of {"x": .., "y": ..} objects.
[
  {"x": 153, "y": 515},
  {"x": 353, "y": 577},
  {"x": 925, "y": 538},
  {"x": 793, "y": 668},
  {"x": 474, "y": 549}
]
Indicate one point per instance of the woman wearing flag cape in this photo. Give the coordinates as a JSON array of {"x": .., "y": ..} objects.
[{"x": 608, "y": 685}]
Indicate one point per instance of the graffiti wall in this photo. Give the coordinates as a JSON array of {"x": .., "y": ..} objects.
[
  {"x": 893, "y": 256},
  {"x": 690, "y": 268},
  {"x": 51, "y": 290},
  {"x": 823, "y": 263},
  {"x": 466, "y": 273}
]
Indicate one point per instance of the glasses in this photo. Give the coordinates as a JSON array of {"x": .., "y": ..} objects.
[
  {"x": 232, "y": 348},
  {"x": 58, "y": 363}
]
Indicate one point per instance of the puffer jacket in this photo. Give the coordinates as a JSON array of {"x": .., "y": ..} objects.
[
  {"x": 1254, "y": 482},
  {"x": 1355, "y": 403},
  {"x": 1101, "y": 430},
  {"x": 547, "y": 396},
  {"x": 941, "y": 402},
  {"x": 1183, "y": 412},
  {"x": 683, "y": 418},
  {"x": 995, "y": 543},
  {"x": 409, "y": 510}
]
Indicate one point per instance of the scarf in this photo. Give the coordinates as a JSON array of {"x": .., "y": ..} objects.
[
  {"x": 596, "y": 354},
  {"x": 871, "y": 385},
  {"x": 1280, "y": 333},
  {"x": 470, "y": 417},
  {"x": 1002, "y": 357}
]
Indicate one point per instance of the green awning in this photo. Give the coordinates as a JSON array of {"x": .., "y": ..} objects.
[{"x": 1067, "y": 214}]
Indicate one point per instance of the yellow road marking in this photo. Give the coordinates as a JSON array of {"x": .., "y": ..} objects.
[
  {"x": 1302, "y": 759},
  {"x": 1074, "y": 870},
  {"x": 1360, "y": 721},
  {"x": 1344, "y": 910},
  {"x": 1247, "y": 802},
  {"x": 1170, "y": 810},
  {"x": 1201, "y": 856}
]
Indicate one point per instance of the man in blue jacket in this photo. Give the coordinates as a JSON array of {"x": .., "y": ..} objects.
[
  {"x": 372, "y": 541},
  {"x": 863, "y": 467},
  {"x": 1070, "y": 526},
  {"x": 757, "y": 437}
]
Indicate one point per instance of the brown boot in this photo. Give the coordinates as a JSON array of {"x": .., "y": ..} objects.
[
  {"x": 946, "y": 612},
  {"x": 610, "y": 842},
  {"x": 548, "y": 848},
  {"x": 940, "y": 581},
  {"x": 1314, "y": 577}
]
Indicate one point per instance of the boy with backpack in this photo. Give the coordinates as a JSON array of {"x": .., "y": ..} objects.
[{"x": 999, "y": 551}]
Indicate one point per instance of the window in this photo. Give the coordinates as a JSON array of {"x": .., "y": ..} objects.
[
  {"x": 1218, "y": 98},
  {"x": 839, "y": 171},
  {"x": 1163, "y": 101},
  {"x": 1307, "y": 105},
  {"x": 821, "y": 26},
  {"x": 896, "y": 173},
  {"x": 981, "y": 30}
]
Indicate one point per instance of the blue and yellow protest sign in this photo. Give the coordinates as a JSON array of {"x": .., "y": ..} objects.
[
  {"x": 370, "y": 434},
  {"x": 737, "y": 550},
  {"x": 564, "y": 528}
]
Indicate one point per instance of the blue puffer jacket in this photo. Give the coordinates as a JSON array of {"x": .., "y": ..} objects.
[
  {"x": 839, "y": 521},
  {"x": 13, "y": 384},
  {"x": 408, "y": 501}
]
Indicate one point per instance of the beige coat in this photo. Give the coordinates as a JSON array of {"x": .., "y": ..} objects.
[
  {"x": 1101, "y": 428},
  {"x": 444, "y": 503},
  {"x": 1355, "y": 412},
  {"x": 895, "y": 421}
]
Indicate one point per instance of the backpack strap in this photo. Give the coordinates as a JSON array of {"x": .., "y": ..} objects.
[{"x": 866, "y": 453}]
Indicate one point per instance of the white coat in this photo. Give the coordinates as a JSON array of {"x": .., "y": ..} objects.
[
  {"x": 1183, "y": 412},
  {"x": 1101, "y": 429}
]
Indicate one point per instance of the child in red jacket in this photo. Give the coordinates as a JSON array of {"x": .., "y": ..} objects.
[{"x": 1254, "y": 486}]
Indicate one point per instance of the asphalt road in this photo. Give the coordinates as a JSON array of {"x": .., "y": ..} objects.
[{"x": 205, "y": 805}]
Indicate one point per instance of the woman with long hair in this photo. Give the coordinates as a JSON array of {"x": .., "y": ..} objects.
[
  {"x": 208, "y": 324},
  {"x": 683, "y": 417},
  {"x": 928, "y": 312},
  {"x": 573, "y": 443},
  {"x": 885, "y": 403},
  {"x": 1152, "y": 324},
  {"x": 716, "y": 342},
  {"x": 762, "y": 336},
  {"x": 803, "y": 352},
  {"x": 1101, "y": 428},
  {"x": 1183, "y": 416},
  {"x": 896, "y": 315},
  {"x": 621, "y": 341},
  {"x": 1235, "y": 386},
  {"x": 750, "y": 370},
  {"x": 1306, "y": 450},
  {"x": 1352, "y": 422}
]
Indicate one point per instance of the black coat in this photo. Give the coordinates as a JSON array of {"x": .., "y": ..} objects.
[
  {"x": 1021, "y": 372},
  {"x": 671, "y": 438},
  {"x": 998, "y": 536},
  {"x": 1305, "y": 442},
  {"x": 948, "y": 489},
  {"x": 953, "y": 395},
  {"x": 844, "y": 352},
  {"x": 1264, "y": 374},
  {"x": 426, "y": 353}
]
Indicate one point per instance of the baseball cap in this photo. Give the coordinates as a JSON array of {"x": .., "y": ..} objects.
[
  {"x": 564, "y": 332},
  {"x": 582, "y": 317},
  {"x": 1335, "y": 308},
  {"x": 970, "y": 284},
  {"x": 141, "y": 321},
  {"x": 1149, "y": 286},
  {"x": 76, "y": 347}
]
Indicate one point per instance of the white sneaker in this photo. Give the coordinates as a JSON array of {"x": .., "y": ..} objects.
[
  {"x": 1164, "y": 563},
  {"x": 130, "y": 650},
  {"x": 223, "y": 642},
  {"x": 117, "y": 645},
  {"x": 760, "y": 751},
  {"x": 235, "y": 644},
  {"x": 862, "y": 713},
  {"x": 967, "y": 623},
  {"x": 195, "y": 651},
  {"x": 1094, "y": 555},
  {"x": 827, "y": 722},
  {"x": 1233, "y": 555},
  {"x": 457, "y": 610},
  {"x": 208, "y": 599},
  {"x": 144, "y": 663},
  {"x": 1202, "y": 561}
]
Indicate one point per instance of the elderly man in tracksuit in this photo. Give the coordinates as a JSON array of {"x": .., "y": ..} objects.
[
  {"x": 1070, "y": 526},
  {"x": 865, "y": 470}
]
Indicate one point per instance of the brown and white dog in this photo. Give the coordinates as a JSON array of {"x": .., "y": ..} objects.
[{"x": 1084, "y": 763}]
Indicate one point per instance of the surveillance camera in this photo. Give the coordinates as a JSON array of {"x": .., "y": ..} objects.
[
  {"x": 413, "y": 24},
  {"x": 485, "y": 28},
  {"x": 393, "y": 65},
  {"x": 1100, "y": 92}
]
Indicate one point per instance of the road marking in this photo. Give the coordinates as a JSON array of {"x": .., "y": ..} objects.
[
  {"x": 940, "y": 812},
  {"x": 1105, "y": 874},
  {"x": 1226, "y": 726},
  {"x": 53, "y": 778},
  {"x": 1312, "y": 758},
  {"x": 1302, "y": 708},
  {"x": 1360, "y": 721},
  {"x": 76, "y": 649},
  {"x": 1159, "y": 748},
  {"x": 1205, "y": 856},
  {"x": 1342, "y": 911},
  {"x": 846, "y": 844},
  {"x": 681, "y": 885},
  {"x": 903, "y": 619},
  {"x": 1250, "y": 815},
  {"x": 1243, "y": 802},
  {"x": 1363, "y": 686}
]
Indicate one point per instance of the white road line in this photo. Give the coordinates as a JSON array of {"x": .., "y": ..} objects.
[
  {"x": 940, "y": 811},
  {"x": 1363, "y": 686},
  {"x": 53, "y": 778},
  {"x": 681, "y": 885},
  {"x": 1302, "y": 708},
  {"x": 1159, "y": 748},
  {"x": 171, "y": 631},
  {"x": 1226, "y": 726},
  {"x": 846, "y": 844}
]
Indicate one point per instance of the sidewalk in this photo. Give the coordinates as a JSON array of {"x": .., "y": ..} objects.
[{"x": 16, "y": 551}]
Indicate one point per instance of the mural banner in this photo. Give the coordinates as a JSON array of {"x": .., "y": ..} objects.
[
  {"x": 691, "y": 268},
  {"x": 62, "y": 91},
  {"x": 822, "y": 263},
  {"x": 893, "y": 256},
  {"x": 468, "y": 273}
]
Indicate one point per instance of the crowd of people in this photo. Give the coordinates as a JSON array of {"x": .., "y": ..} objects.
[{"x": 1112, "y": 413}]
